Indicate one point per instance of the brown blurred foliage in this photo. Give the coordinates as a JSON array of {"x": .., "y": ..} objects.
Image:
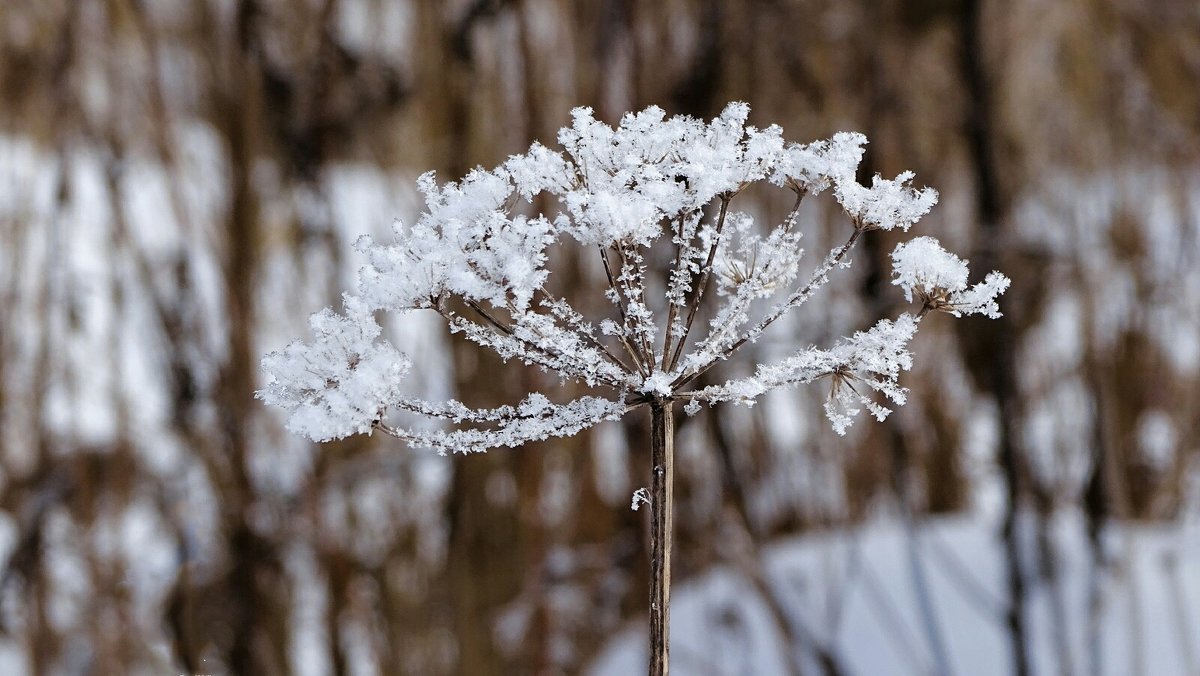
[{"x": 175, "y": 177}]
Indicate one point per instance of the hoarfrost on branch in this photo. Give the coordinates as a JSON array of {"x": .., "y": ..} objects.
[{"x": 652, "y": 189}]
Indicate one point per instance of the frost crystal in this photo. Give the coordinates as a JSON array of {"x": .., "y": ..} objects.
[
  {"x": 923, "y": 265},
  {"x": 869, "y": 361},
  {"x": 887, "y": 204},
  {"x": 813, "y": 168},
  {"x": 340, "y": 383},
  {"x": 690, "y": 281},
  {"x": 659, "y": 383},
  {"x": 640, "y": 497},
  {"x": 939, "y": 280}
]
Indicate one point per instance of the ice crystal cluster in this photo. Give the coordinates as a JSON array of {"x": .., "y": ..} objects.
[{"x": 652, "y": 198}]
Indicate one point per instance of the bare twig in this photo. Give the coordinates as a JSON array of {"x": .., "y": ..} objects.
[{"x": 920, "y": 582}]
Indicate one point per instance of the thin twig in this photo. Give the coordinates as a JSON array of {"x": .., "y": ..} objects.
[
  {"x": 892, "y": 620},
  {"x": 620, "y": 303},
  {"x": 802, "y": 293},
  {"x": 920, "y": 582},
  {"x": 745, "y": 551},
  {"x": 587, "y": 335},
  {"x": 673, "y": 308},
  {"x": 701, "y": 284},
  {"x": 969, "y": 585},
  {"x": 629, "y": 252}
]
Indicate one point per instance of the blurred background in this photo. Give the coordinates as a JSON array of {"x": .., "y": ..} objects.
[{"x": 181, "y": 184}]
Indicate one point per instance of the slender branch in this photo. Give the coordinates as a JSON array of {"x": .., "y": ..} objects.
[
  {"x": 790, "y": 221},
  {"x": 744, "y": 550},
  {"x": 534, "y": 353},
  {"x": 701, "y": 284},
  {"x": 920, "y": 582},
  {"x": 967, "y": 581},
  {"x": 673, "y": 307},
  {"x": 537, "y": 357},
  {"x": 586, "y": 335},
  {"x": 893, "y": 622},
  {"x": 487, "y": 316},
  {"x": 637, "y": 286},
  {"x": 797, "y": 297},
  {"x": 506, "y": 426},
  {"x": 620, "y": 303},
  {"x": 611, "y": 355},
  {"x": 736, "y": 308}
]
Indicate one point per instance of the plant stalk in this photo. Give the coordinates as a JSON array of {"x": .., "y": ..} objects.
[{"x": 662, "y": 529}]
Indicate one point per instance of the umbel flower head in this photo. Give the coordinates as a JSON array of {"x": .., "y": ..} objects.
[
  {"x": 653, "y": 189},
  {"x": 938, "y": 279}
]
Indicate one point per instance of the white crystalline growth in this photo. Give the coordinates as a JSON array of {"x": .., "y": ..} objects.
[
  {"x": 981, "y": 298},
  {"x": 658, "y": 383},
  {"x": 648, "y": 191},
  {"x": 339, "y": 383},
  {"x": 873, "y": 358},
  {"x": 939, "y": 279},
  {"x": 921, "y": 264},
  {"x": 887, "y": 204},
  {"x": 869, "y": 361},
  {"x": 815, "y": 166},
  {"x": 536, "y": 418},
  {"x": 618, "y": 184},
  {"x": 640, "y": 497},
  {"x": 465, "y": 244}
]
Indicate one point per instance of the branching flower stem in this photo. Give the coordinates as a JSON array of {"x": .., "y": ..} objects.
[
  {"x": 633, "y": 277},
  {"x": 623, "y": 190},
  {"x": 537, "y": 354},
  {"x": 619, "y": 301},
  {"x": 815, "y": 281},
  {"x": 705, "y": 272},
  {"x": 589, "y": 336},
  {"x": 673, "y": 310}
]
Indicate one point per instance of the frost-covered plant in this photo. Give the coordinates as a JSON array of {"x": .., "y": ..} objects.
[{"x": 652, "y": 197}]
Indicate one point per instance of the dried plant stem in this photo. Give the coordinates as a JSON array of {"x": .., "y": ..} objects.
[
  {"x": 662, "y": 448},
  {"x": 635, "y": 285},
  {"x": 673, "y": 310}
]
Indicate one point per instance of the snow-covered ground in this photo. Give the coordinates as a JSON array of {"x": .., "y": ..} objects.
[{"x": 856, "y": 592}]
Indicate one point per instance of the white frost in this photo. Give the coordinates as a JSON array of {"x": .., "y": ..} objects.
[
  {"x": 652, "y": 195},
  {"x": 640, "y": 497},
  {"x": 340, "y": 383},
  {"x": 887, "y": 204},
  {"x": 939, "y": 279}
]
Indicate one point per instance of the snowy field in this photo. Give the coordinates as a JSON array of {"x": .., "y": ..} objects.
[{"x": 855, "y": 591}]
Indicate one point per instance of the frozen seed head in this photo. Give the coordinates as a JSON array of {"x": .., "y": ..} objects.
[
  {"x": 648, "y": 190},
  {"x": 938, "y": 280}
]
